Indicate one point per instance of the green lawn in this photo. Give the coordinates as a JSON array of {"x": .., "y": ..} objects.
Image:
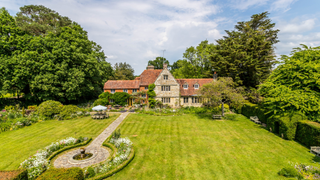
[
  {"x": 190, "y": 147},
  {"x": 16, "y": 146}
]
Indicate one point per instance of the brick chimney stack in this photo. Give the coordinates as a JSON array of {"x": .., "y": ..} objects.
[{"x": 150, "y": 67}]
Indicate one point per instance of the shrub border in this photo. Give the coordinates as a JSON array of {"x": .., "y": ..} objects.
[
  {"x": 117, "y": 169},
  {"x": 20, "y": 176},
  {"x": 67, "y": 148}
]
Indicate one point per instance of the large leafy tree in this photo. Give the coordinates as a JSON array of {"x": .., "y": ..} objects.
[
  {"x": 62, "y": 65},
  {"x": 294, "y": 86},
  {"x": 222, "y": 91},
  {"x": 158, "y": 62},
  {"x": 196, "y": 62},
  {"x": 39, "y": 20},
  {"x": 123, "y": 71},
  {"x": 246, "y": 54}
]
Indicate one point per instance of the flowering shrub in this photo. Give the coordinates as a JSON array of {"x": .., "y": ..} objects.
[
  {"x": 301, "y": 171},
  {"x": 124, "y": 146},
  {"x": 38, "y": 163}
]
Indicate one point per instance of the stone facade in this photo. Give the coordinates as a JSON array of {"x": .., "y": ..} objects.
[{"x": 165, "y": 78}]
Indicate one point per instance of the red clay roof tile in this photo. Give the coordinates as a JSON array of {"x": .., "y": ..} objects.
[
  {"x": 149, "y": 76},
  {"x": 122, "y": 84},
  {"x": 191, "y": 90}
]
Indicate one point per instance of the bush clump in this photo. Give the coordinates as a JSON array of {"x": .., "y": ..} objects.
[
  {"x": 49, "y": 108},
  {"x": 74, "y": 173},
  {"x": 68, "y": 110},
  {"x": 89, "y": 173},
  {"x": 289, "y": 172}
]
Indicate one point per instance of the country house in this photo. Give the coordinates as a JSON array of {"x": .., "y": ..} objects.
[{"x": 168, "y": 89}]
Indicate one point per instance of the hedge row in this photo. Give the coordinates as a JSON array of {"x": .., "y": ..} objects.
[
  {"x": 74, "y": 173},
  {"x": 67, "y": 148},
  {"x": 284, "y": 126},
  {"x": 308, "y": 133},
  {"x": 117, "y": 169},
  {"x": 250, "y": 109},
  {"x": 20, "y": 174}
]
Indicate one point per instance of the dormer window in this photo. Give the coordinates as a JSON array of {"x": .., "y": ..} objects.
[
  {"x": 165, "y": 77},
  {"x": 196, "y": 86},
  {"x": 185, "y": 86}
]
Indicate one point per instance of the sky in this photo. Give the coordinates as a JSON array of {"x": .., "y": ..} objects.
[{"x": 138, "y": 31}]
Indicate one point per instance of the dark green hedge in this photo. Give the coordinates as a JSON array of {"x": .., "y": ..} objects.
[
  {"x": 20, "y": 174},
  {"x": 308, "y": 133},
  {"x": 74, "y": 173},
  {"x": 117, "y": 169},
  {"x": 249, "y": 109},
  {"x": 286, "y": 127},
  {"x": 67, "y": 148}
]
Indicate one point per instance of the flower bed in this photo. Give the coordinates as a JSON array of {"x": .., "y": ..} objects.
[
  {"x": 123, "y": 153},
  {"x": 301, "y": 171},
  {"x": 39, "y": 162}
]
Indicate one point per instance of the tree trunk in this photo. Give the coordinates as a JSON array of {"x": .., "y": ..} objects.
[{"x": 222, "y": 108}]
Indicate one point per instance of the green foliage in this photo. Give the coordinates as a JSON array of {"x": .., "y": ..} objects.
[
  {"x": 39, "y": 20},
  {"x": 116, "y": 134},
  {"x": 222, "y": 91},
  {"x": 120, "y": 98},
  {"x": 49, "y": 108},
  {"x": 249, "y": 109},
  {"x": 63, "y": 64},
  {"x": 90, "y": 172},
  {"x": 68, "y": 110},
  {"x": 20, "y": 174},
  {"x": 158, "y": 62},
  {"x": 308, "y": 133},
  {"x": 102, "y": 102},
  {"x": 73, "y": 173},
  {"x": 246, "y": 54},
  {"x": 151, "y": 94},
  {"x": 289, "y": 172},
  {"x": 196, "y": 62},
  {"x": 294, "y": 85},
  {"x": 123, "y": 71}
]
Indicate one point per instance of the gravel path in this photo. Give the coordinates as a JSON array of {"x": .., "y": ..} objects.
[{"x": 99, "y": 152}]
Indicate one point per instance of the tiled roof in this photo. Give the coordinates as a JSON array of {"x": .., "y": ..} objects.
[
  {"x": 149, "y": 76},
  {"x": 122, "y": 84},
  {"x": 191, "y": 91}
]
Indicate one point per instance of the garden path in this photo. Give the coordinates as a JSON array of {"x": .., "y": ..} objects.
[{"x": 99, "y": 153}]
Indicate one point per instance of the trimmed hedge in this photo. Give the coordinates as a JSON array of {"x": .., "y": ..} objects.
[
  {"x": 112, "y": 147},
  {"x": 308, "y": 133},
  {"x": 249, "y": 109},
  {"x": 117, "y": 169},
  {"x": 20, "y": 174},
  {"x": 67, "y": 148},
  {"x": 74, "y": 173}
]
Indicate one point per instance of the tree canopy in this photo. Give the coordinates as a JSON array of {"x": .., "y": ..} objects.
[
  {"x": 294, "y": 86},
  {"x": 158, "y": 62},
  {"x": 247, "y": 53},
  {"x": 123, "y": 71},
  {"x": 63, "y": 65},
  {"x": 196, "y": 62},
  {"x": 39, "y": 20}
]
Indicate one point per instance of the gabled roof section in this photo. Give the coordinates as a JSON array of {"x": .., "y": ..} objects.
[
  {"x": 191, "y": 91},
  {"x": 122, "y": 84},
  {"x": 148, "y": 76}
]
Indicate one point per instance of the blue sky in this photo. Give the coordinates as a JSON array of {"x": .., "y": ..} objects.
[{"x": 137, "y": 31}]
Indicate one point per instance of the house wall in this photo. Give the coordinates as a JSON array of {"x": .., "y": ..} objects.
[
  {"x": 189, "y": 102},
  {"x": 173, "y": 94}
]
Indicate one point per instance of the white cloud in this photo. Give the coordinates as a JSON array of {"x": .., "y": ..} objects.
[
  {"x": 245, "y": 4},
  {"x": 296, "y": 26},
  {"x": 282, "y": 5}
]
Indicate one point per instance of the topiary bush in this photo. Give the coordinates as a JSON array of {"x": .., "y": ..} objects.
[
  {"x": 102, "y": 102},
  {"x": 308, "y": 133},
  {"x": 90, "y": 172},
  {"x": 68, "y": 110},
  {"x": 49, "y": 108},
  {"x": 120, "y": 98},
  {"x": 74, "y": 173}
]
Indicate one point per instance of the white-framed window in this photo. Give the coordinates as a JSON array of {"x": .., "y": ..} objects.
[
  {"x": 111, "y": 100},
  {"x": 125, "y": 90},
  {"x": 185, "y": 86},
  {"x": 165, "y": 77},
  {"x": 144, "y": 95},
  {"x": 113, "y": 90},
  {"x": 165, "y": 100},
  {"x": 185, "y": 100},
  {"x": 134, "y": 90},
  {"x": 196, "y": 86},
  {"x": 146, "y": 88},
  {"x": 165, "y": 88},
  {"x": 195, "y": 100}
]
